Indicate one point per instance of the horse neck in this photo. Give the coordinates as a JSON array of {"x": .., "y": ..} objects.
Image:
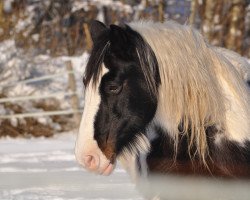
[{"x": 228, "y": 159}]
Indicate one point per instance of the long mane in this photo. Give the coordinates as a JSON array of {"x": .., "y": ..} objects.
[{"x": 199, "y": 87}]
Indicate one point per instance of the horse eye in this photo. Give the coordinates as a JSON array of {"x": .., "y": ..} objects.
[{"x": 114, "y": 89}]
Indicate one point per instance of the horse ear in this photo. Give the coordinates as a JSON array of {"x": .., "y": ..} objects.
[
  {"x": 118, "y": 35},
  {"x": 96, "y": 28}
]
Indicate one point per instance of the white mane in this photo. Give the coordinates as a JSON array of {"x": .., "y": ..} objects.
[{"x": 201, "y": 85}]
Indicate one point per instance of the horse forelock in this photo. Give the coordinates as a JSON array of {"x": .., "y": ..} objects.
[
  {"x": 94, "y": 65},
  {"x": 191, "y": 92}
]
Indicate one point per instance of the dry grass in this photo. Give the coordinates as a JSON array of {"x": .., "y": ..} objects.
[{"x": 28, "y": 127}]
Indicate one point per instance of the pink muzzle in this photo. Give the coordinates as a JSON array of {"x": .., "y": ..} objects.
[{"x": 92, "y": 159}]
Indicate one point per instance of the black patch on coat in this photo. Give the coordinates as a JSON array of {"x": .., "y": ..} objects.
[{"x": 226, "y": 159}]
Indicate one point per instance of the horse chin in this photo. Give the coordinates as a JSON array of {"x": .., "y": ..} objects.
[{"x": 108, "y": 170}]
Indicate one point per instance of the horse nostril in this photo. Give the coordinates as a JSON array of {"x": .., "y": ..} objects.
[
  {"x": 87, "y": 160},
  {"x": 91, "y": 162}
]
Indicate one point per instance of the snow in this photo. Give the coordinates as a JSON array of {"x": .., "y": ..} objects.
[
  {"x": 7, "y": 6},
  {"x": 115, "y": 5},
  {"x": 45, "y": 169},
  {"x": 17, "y": 65}
]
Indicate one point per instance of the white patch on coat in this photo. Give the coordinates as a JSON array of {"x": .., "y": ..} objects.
[
  {"x": 237, "y": 122},
  {"x": 85, "y": 143}
]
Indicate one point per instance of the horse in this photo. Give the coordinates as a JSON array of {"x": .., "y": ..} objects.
[{"x": 161, "y": 100}]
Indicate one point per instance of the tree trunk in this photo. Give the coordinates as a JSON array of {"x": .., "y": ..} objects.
[
  {"x": 219, "y": 25},
  {"x": 208, "y": 25},
  {"x": 88, "y": 37},
  {"x": 247, "y": 32},
  {"x": 193, "y": 10},
  {"x": 74, "y": 97},
  {"x": 161, "y": 10},
  {"x": 234, "y": 39}
]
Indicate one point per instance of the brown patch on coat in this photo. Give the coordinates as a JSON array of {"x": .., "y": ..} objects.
[
  {"x": 109, "y": 152},
  {"x": 164, "y": 166}
]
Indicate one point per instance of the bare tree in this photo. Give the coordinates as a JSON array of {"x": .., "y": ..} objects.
[
  {"x": 222, "y": 22},
  {"x": 208, "y": 20},
  {"x": 247, "y": 31},
  {"x": 161, "y": 10},
  {"x": 193, "y": 10},
  {"x": 235, "y": 32},
  {"x": 219, "y": 20}
]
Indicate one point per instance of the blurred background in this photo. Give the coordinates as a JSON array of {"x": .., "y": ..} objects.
[{"x": 44, "y": 47}]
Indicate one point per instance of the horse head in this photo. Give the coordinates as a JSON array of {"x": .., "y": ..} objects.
[{"x": 121, "y": 81}]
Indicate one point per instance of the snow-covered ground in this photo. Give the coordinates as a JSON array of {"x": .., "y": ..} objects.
[{"x": 45, "y": 169}]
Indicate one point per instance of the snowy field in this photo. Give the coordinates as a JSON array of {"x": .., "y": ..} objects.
[{"x": 45, "y": 169}]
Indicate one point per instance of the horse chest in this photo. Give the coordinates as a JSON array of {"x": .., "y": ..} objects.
[{"x": 228, "y": 160}]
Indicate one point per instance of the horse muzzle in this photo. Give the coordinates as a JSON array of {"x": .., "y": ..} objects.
[{"x": 93, "y": 159}]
